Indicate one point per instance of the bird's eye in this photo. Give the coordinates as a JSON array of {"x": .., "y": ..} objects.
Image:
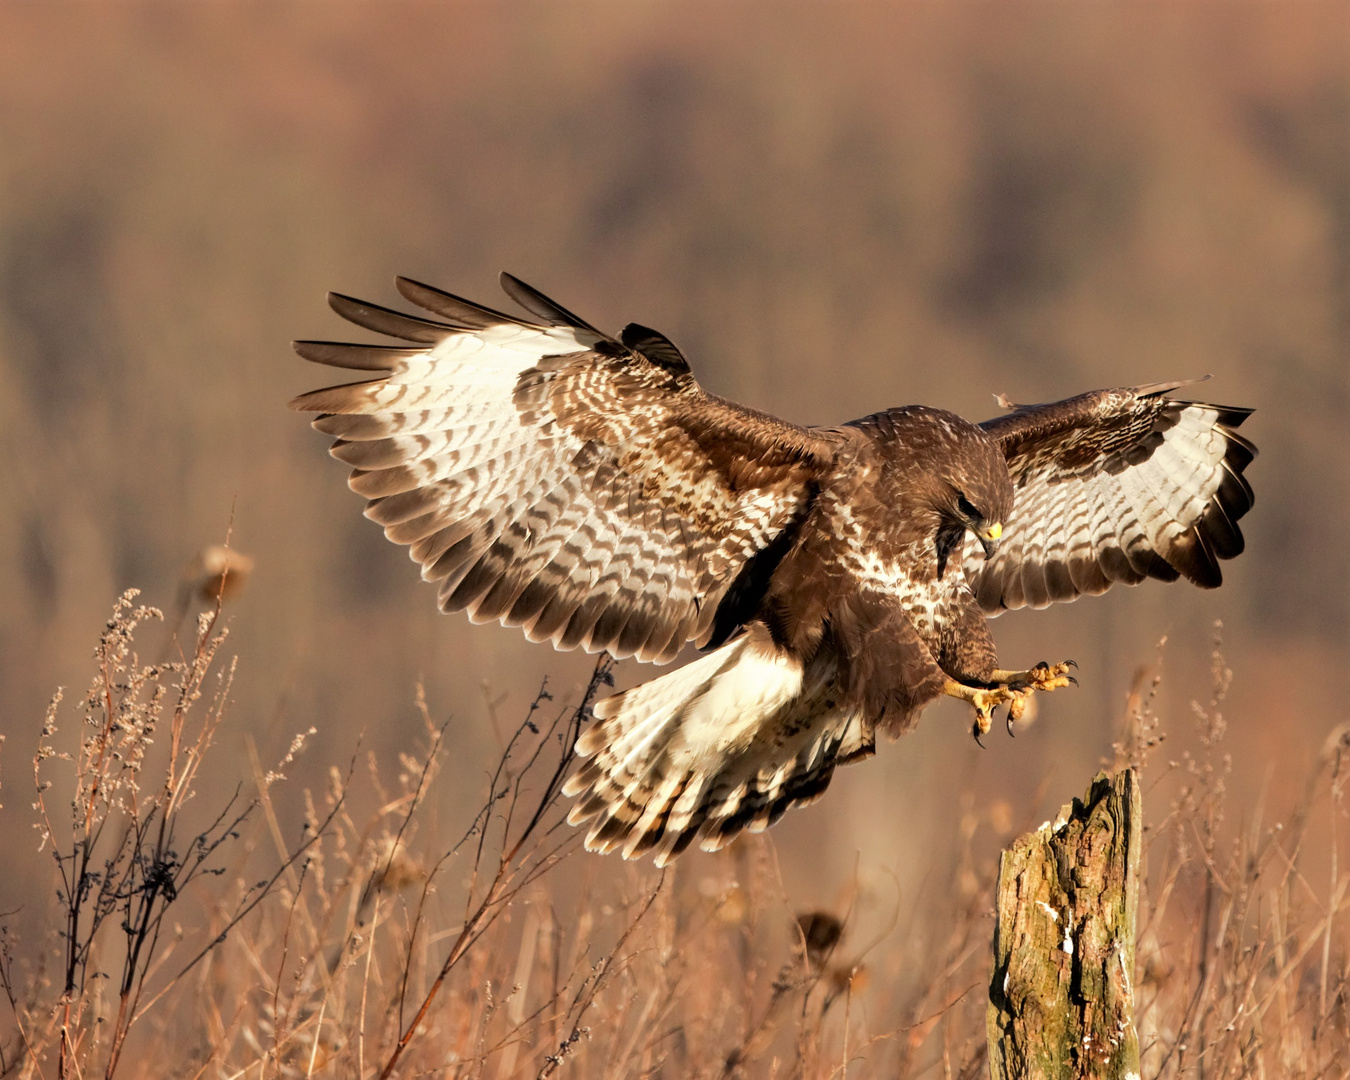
[{"x": 967, "y": 508}]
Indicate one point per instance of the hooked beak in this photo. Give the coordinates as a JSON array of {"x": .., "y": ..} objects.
[{"x": 989, "y": 538}]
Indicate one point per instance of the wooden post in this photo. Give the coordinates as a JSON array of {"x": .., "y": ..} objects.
[{"x": 1061, "y": 997}]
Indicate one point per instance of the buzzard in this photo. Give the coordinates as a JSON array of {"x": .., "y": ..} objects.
[{"x": 584, "y": 487}]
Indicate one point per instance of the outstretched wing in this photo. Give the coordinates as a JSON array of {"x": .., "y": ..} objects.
[
  {"x": 549, "y": 476},
  {"x": 1115, "y": 485}
]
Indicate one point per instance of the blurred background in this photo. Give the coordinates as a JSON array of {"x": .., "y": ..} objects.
[{"x": 831, "y": 209}]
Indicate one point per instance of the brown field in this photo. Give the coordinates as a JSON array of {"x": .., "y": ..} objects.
[{"x": 831, "y": 210}]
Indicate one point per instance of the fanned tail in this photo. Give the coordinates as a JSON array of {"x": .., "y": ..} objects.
[{"x": 726, "y": 743}]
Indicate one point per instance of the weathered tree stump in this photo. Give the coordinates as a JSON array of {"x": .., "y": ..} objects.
[{"x": 1061, "y": 997}]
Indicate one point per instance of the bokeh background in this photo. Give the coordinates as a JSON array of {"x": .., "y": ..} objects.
[{"x": 831, "y": 208}]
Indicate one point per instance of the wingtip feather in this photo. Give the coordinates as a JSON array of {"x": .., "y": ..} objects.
[
  {"x": 460, "y": 312},
  {"x": 539, "y": 305}
]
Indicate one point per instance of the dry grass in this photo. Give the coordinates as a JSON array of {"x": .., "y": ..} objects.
[
  {"x": 1242, "y": 961},
  {"x": 373, "y": 945}
]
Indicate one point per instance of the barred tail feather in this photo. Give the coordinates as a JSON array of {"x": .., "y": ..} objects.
[{"x": 725, "y": 744}]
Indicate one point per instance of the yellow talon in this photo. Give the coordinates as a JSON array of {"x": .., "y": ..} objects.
[
  {"x": 1011, "y": 688},
  {"x": 1042, "y": 677},
  {"x": 985, "y": 700}
]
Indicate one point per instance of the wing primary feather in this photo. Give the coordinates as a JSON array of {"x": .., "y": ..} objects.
[
  {"x": 460, "y": 312},
  {"x": 1150, "y": 564},
  {"x": 344, "y": 398},
  {"x": 1241, "y": 450},
  {"x": 474, "y": 585},
  {"x": 532, "y": 599},
  {"x": 355, "y": 357},
  {"x": 1192, "y": 555},
  {"x": 581, "y": 622},
  {"x": 498, "y": 600},
  {"x": 1235, "y": 490},
  {"x": 1087, "y": 575},
  {"x": 1224, "y": 535},
  {"x": 555, "y": 615},
  {"x": 1158, "y": 388},
  {"x": 383, "y": 320},
  {"x": 1233, "y": 415},
  {"x": 1035, "y": 590},
  {"x": 536, "y": 303},
  {"x": 1059, "y": 580}
]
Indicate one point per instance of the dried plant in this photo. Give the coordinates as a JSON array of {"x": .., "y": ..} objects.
[
  {"x": 374, "y": 948},
  {"x": 123, "y": 853},
  {"x": 1242, "y": 960}
]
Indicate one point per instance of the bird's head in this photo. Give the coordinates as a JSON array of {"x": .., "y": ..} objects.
[
  {"x": 944, "y": 474},
  {"x": 978, "y": 495}
]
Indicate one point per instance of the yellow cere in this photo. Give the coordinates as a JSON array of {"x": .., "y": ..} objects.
[{"x": 995, "y": 530}]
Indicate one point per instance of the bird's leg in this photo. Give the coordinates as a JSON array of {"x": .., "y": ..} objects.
[
  {"x": 1043, "y": 676},
  {"x": 985, "y": 699}
]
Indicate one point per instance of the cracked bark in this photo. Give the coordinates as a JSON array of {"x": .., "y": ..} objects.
[{"x": 1061, "y": 996}]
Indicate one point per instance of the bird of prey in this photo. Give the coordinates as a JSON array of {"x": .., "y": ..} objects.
[{"x": 584, "y": 487}]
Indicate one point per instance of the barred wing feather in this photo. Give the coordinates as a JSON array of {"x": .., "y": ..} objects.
[
  {"x": 549, "y": 476},
  {"x": 1114, "y": 486}
]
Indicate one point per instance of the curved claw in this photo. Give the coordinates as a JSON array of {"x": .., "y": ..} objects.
[
  {"x": 1048, "y": 677},
  {"x": 1009, "y": 721},
  {"x": 985, "y": 699},
  {"x": 1072, "y": 663},
  {"x": 975, "y": 733}
]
